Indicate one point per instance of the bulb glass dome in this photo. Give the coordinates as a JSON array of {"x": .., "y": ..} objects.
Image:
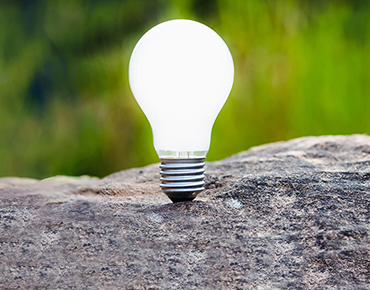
[{"x": 181, "y": 73}]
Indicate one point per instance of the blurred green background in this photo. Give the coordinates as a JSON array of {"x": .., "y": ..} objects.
[{"x": 302, "y": 68}]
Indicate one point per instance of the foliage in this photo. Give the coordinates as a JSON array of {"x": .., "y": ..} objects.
[{"x": 65, "y": 103}]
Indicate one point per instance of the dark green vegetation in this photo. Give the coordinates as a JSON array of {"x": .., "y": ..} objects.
[{"x": 302, "y": 68}]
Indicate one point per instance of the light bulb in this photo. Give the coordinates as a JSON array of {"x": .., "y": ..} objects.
[{"x": 181, "y": 73}]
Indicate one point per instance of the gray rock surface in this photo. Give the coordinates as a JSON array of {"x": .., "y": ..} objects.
[{"x": 287, "y": 215}]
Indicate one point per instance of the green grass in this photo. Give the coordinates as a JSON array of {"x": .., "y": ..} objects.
[{"x": 301, "y": 68}]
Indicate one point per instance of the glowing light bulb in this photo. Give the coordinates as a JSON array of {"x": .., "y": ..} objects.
[{"x": 181, "y": 73}]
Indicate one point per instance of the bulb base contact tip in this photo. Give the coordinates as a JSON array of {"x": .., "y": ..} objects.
[{"x": 182, "y": 179}]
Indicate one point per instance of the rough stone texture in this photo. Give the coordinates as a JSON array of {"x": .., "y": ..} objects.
[{"x": 288, "y": 215}]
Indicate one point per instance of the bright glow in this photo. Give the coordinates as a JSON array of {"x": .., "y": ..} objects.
[{"x": 181, "y": 73}]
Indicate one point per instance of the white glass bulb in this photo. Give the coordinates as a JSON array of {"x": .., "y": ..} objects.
[{"x": 181, "y": 73}]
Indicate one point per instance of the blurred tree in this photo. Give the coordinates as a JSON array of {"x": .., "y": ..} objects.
[{"x": 65, "y": 103}]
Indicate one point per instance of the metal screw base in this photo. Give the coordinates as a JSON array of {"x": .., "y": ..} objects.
[{"x": 182, "y": 178}]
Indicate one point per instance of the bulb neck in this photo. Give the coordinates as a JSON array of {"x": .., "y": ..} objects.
[{"x": 182, "y": 179}]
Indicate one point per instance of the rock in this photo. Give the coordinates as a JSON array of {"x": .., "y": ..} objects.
[{"x": 287, "y": 215}]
